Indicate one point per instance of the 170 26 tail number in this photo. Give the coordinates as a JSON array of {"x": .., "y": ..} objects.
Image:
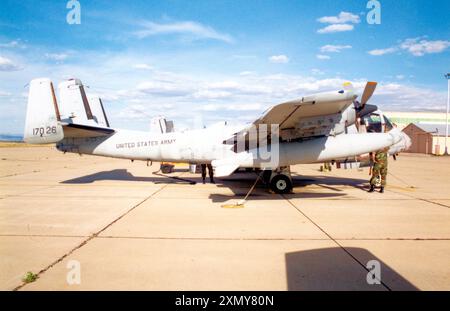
[{"x": 44, "y": 130}]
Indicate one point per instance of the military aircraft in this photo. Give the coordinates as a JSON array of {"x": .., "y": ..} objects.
[{"x": 329, "y": 126}]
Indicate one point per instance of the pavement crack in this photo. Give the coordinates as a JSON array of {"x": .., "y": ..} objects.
[
  {"x": 92, "y": 236},
  {"x": 420, "y": 199},
  {"x": 334, "y": 240}
]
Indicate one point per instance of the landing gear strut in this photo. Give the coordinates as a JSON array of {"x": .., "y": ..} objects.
[{"x": 279, "y": 181}]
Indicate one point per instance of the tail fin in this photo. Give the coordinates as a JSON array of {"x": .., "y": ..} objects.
[
  {"x": 98, "y": 111},
  {"x": 161, "y": 125},
  {"x": 42, "y": 124},
  {"x": 74, "y": 103}
]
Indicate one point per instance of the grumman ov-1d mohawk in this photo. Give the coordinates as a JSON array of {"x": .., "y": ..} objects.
[{"x": 331, "y": 126}]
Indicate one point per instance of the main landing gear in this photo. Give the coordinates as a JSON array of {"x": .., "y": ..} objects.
[{"x": 280, "y": 180}]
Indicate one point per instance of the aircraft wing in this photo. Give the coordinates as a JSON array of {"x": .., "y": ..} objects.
[
  {"x": 310, "y": 116},
  {"x": 314, "y": 115}
]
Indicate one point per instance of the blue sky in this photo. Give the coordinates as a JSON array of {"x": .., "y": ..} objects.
[{"x": 219, "y": 60}]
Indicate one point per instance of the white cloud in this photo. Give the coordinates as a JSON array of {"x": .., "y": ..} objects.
[
  {"x": 334, "y": 48},
  {"x": 142, "y": 66},
  {"x": 11, "y": 44},
  {"x": 210, "y": 107},
  {"x": 180, "y": 96},
  {"x": 322, "y": 57},
  {"x": 8, "y": 65},
  {"x": 56, "y": 56},
  {"x": 232, "y": 107},
  {"x": 159, "y": 88},
  {"x": 419, "y": 47},
  {"x": 246, "y": 73},
  {"x": 379, "y": 52},
  {"x": 416, "y": 47},
  {"x": 191, "y": 29},
  {"x": 336, "y": 28},
  {"x": 340, "y": 23},
  {"x": 402, "y": 97},
  {"x": 279, "y": 59},
  {"x": 316, "y": 71},
  {"x": 236, "y": 88},
  {"x": 244, "y": 107},
  {"x": 211, "y": 94},
  {"x": 342, "y": 18},
  {"x": 2, "y": 93}
]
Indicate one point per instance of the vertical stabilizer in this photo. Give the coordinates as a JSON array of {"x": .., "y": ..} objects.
[
  {"x": 161, "y": 125},
  {"x": 73, "y": 102},
  {"x": 98, "y": 111},
  {"x": 42, "y": 124}
]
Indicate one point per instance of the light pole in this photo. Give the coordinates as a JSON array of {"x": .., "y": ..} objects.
[{"x": 447, "y": 76}]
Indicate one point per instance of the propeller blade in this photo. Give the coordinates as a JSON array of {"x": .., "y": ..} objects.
[
  {"x": 368, "y": 91},
  {"x": 367, "y": 109}
]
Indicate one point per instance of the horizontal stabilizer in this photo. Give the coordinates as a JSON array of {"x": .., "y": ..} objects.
[{"x": 82, "y": 130}]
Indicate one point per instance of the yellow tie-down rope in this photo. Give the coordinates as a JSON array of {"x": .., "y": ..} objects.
[{"x": 240, "y": 204}]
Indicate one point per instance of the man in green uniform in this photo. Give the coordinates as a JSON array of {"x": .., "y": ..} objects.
[{"x": 380, "y": 163}]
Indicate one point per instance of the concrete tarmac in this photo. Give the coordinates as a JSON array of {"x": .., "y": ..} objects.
[{"x": 131, "y": 229}]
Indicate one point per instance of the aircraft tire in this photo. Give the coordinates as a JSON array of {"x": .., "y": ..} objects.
[{"x": 281, "y": 184}]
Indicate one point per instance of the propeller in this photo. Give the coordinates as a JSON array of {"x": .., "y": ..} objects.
[
  {"x": 361, "y": 107},
  {"x": 368, "y": 92},
  {"x": 366, "y": 95}
]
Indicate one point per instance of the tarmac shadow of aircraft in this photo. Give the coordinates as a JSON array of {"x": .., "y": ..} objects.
[
  {"x": 340, "y": 269},
  {"x": 124, "y": 175},
  {"x": 238, "y": 183}
]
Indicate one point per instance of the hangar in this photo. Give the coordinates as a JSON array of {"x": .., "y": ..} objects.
[{"x": 427, "y": 138}]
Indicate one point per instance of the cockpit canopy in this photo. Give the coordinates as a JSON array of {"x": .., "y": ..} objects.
[{"x": 376, "y": 122}]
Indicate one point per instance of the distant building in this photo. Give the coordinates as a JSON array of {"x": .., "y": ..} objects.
[
  {"x": 426, "y": 138},
  {"x": 402, "y": 119}
]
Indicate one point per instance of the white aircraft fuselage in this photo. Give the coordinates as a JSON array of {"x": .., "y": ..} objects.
[
  {"x": 315, "y": 128},
  {"x": 206, "y": 145}
]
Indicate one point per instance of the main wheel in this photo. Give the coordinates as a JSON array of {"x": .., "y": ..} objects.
[{"x": 281, "y": 184}]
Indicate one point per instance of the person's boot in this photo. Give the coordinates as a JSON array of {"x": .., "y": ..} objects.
[
  {"x": 382, "y": 190},
  {"x": 203, "y": 181},
  {"x": 212, "y": 180},
  {"x": 372, "y": 188}
]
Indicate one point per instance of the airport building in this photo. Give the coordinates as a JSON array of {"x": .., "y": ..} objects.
[
  {"x": 403, "y": 119},
  {"x": 427, "y": 138},
  {"x": 426, "y": 130}
]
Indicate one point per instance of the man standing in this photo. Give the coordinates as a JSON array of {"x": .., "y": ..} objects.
[
  {"x": 210, "y": 170},
  {"x": 380, "y": 163}
]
